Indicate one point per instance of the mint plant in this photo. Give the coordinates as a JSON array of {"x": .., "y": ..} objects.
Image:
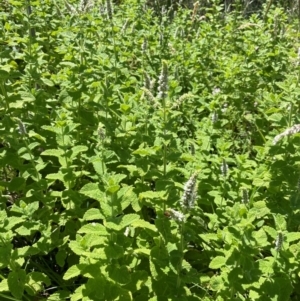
[{"x": 149, "y": 151}]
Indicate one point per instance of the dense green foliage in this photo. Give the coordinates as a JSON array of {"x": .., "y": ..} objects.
[{"x": 138, "y": 153}]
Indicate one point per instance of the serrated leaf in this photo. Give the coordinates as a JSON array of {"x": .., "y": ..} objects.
[
  {"x": 16, "y": 283},
  {"x": 74, "y": 271},
  {"x": 131, "y": 168},
  {"x": 4, "y": 286},
  {"x": 261, "y": 238},
  {"x": 68, "y": 64},
  {"x": 60, "y": 257},
  {"x": 217, "y": 262},
  {"x": 125, "y": 196},
  {"x": 16, "y": 184},
  {"x": 93, "y": 214},
  {"x": 93, "y": 228},
  {"x": 142, "y": 251},
  {"x": 271, "y": 231},
  {"x": 99, "y": 165},
  {"x": 119, "y": 274},
  {"x": 280, "y": 221},
  {"x": 144, "y": 152},
  {"x": 266, "y": 265},
  {"x": 27, "y": 229},
  {"x": 217, "y": 283},
  {"x": 292, "y": 236},
  {"x": 143, "y": 224},
  {"x": 275, "y": 117},
  {"x": 76, "y": 248},
  {"x": 36, "y": 136},
  {"x": 209, "y": 237},
  {"x": 27, "y": 251},
  {"x": 114, "y": 251},
  {"x": 78, "y": 149},
  {"x": 59, "y": 296},
  {"x": 5, "y": 254},
  {"x": 92, "y": 190},
  {"x": 96, "y": 254},
  {"x": 77, "y": 295},
  {"x": 121, "y": 222},
  {"x": 36, "y": 281},
  {"x": 47, "y": 82},
  {"x": 53, "y": 129},
  {"x": 27, "y": 96},
  {"x": 53, "y": 152},
  {"x": 153, "y": 195},
  {"x": 13, "y": 221}
]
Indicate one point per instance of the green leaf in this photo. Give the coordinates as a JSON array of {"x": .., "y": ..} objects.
[
  {"x": 77, "y": 295},
  {"x": 35, "y": 282},
  {"x": 161, "y": 195},
  {"x": 59, "y": 295},
  {"x": 5, "y": 254},
  {"x": 121, "y": 222},
  {"x": 27, "y": 251},
  {"x": 27, "y": 228},
  {"x": 16, "y": 283},
  {"x": 143, "y": 224},
  {"x": 142, "y": 251},
  {"x": 60, "y": 257},
  {"x": 278, "y": 288},
  {"x": 47, "y": 82},
  {"x": 266, "y": 265},
  {"x": 53, "y": 152},
  {"x": 27, "y": 96},
  {"x": 77, "y": 150},
  {"x": 16, "y": 184},
  {"x": 74, "y": 271},
  {"x": 261, "y": 238},
  {"x": 217, "y": 283},
  {"x": 217, "y": 262},
  {"x": 119, "y": 274},
  {"x": 259, "y": 210},
  {"x": 114, "y": 251},
  {"x": 99, "y": 165},
  {"x": 275, "y": 117},
  {"x": 93, "y": 214},
  {"x": 13, "y": 221},
  {"x": 95, "y": 288},
  {"x": 292, "y": 236},
  {"x": 210, "y": 237},
  {"x": 271, "y": 231},
  {"x": 280, "y": 222},
  {"x": 4, "y": 286},
  {"x": 92, "y": 191},
  {"x": 76, "y": 248},
  {"x": 145, "y": 152},
  {"x": 93, "y": 228}
]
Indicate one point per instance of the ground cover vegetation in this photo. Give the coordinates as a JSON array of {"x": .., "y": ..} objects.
[{"x": 149, "y": 152}]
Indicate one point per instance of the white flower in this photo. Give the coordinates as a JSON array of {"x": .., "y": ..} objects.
[
  {"x": 216, "y": 91},
  {"x": 214, "y": 117},
  {"x": 163, "y": 81},
  {"x": 126, "y": 233},
  {"x": 176, "y": 215},
  {"x": 224, "y": 168},
  {"x": 190, "y": 192},
  {"x": 144, "y": 45},
  {"x": 245, "y": 196},
  {"x": 109, "y": 9},
  {"x": 279, "y": 241},
  {"x": 22, "y": 127},
  {"x": 224, "y": 109},
  {"x": 288, "y": 132}
]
